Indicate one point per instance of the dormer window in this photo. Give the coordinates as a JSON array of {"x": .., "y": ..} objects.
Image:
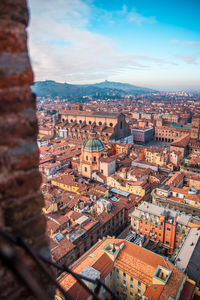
[{"x": 162, "y": 274}]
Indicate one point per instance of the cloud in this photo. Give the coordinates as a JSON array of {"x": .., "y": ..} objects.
[
  {"x": 75, "y": 12},
  {"x": 63, "y": 49},
  {"x": 123, "y": 11},
  {"x": 139, "y": 19},
  {"x": 134, "y": 17},
  {"x": 190, "y": 59},
  {"x": 186, "y": 43}
]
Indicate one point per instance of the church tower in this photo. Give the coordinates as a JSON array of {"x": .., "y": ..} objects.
[{"x": 92, "y": 150}]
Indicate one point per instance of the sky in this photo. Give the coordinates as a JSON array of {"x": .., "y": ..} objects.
[{"x": 150, "y": 43}]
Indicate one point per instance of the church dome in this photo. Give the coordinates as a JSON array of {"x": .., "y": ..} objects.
[{"x": 93, "y": 145}]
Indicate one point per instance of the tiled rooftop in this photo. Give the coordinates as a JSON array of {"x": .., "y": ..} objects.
[{"x": 135, "y": 261}]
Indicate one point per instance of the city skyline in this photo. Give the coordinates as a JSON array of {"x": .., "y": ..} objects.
[{"x": 145, "y": 43}]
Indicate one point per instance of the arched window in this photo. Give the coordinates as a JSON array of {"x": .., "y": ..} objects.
[
  {"x": 100, "y": 123},
  {"x": 111, "y": 124},
  {"x": 90, "y": 122},
  {"x": 80, "y": 121},
  {"x": 71, "y": 120}
]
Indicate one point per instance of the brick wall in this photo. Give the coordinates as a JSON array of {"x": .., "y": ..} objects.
[{"x": 20, "y": 196}]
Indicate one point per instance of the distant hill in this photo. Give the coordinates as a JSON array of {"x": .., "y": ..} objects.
[
  {"x": 129, "y": 88},
  {"x": 104, "y": 89}
]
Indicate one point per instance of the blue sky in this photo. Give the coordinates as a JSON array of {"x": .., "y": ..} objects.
[{"x": 150, "y": 43}]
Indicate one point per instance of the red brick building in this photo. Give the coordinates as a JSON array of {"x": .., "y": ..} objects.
[{"x": 160, "y": 224}]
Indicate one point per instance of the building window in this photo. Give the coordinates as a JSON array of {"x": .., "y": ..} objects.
[
  {"x": 131, "y": 294},
  {"x": 101, "y": 171},
  {"x": 100, "y": 123},
  {"x": 124, "y": 274},
  {"x": 85, "y": 169},
  {"x": 86, "y": 157},
  {"x": 168, "y": 229},
  {"x": 121, "y": 125},
  {"x": 90, "y": 122},
  {"x": 80, "y": 121},
  {"x": 71, "y": 120},
  {"x": 111, "y": 124},
  {"x": 167, "y": 243},
  {"x": 95, "y": 159}
]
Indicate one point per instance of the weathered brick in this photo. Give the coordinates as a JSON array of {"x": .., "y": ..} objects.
[
  {"x": 33, "y": 228},
  {"x": 20, "y": 199},
  {"x": 20, "y": 157},
  {"x": 14, "y": 10},
  {"x": 16, "y": 99},
  {"x": 19, "y": 183},
  {"x": 12, "y": 36},
  {"x": 18, "y": 213},
  {"x": 17, "y": 126},
  {"x": 15, "y": 70}
]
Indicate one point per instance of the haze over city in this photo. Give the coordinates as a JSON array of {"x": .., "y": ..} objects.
[{"x": 148, "y": 43}]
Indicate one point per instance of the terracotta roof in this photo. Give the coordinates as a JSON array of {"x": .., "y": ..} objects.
[
  {"x": 143, "y": 264},
  {"x": 182, "y": 141},
  {"x": 74, "y": 215},
  {"x": 175, "y": 179},
  {"x": 60, "y": 249},
  {"x": 108, "y": 159},
  {"x": 100, "y": 261},
  {"x": 78, "y": 292},
  {"x": 154, "y": 291},
  {"x": 104, "y": 264},
  {"x": 89, "y": 113},
  {"x": 103, "y": 177},
  {"x": 194, "y": 197},
  {"x": 136, "y": 261}
]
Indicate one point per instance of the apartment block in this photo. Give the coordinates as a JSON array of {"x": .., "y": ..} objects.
[{"x": 128, "y": 270}]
